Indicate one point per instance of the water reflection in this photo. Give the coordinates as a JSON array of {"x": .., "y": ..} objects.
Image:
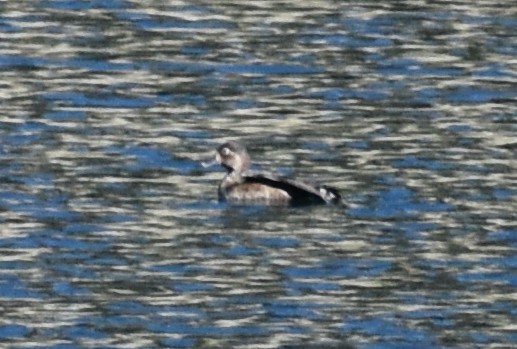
[{"x": 110, "y": 230}]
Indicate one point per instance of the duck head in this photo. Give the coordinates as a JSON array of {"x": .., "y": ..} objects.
[{"x": 232, "y": 156}]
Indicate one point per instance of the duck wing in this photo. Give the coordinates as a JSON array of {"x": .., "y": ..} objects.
[{"x": 301, "y": 193}]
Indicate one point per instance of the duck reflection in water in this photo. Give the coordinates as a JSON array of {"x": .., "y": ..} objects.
[{"x": 242, "y": 187}]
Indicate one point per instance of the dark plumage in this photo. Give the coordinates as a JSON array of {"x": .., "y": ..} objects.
[{"x": 239, "y": 186}]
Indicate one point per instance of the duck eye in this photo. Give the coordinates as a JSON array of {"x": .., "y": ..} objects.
[{"x": 225, "y": 151}]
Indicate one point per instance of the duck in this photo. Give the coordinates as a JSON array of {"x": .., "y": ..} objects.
[{"x": 242, "y": 187}]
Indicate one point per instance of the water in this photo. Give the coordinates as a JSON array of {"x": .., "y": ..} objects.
[{"x": 110, "y": 233}]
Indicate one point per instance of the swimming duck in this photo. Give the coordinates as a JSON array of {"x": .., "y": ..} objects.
[{"x": 240, "y": 186}]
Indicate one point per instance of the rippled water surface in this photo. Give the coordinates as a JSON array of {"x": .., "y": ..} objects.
[{"x": 110, "y": 232}]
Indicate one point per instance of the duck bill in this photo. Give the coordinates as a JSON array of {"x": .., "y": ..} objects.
[{"x": 215, "y": 161}]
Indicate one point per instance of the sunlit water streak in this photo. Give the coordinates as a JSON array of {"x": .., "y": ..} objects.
[{"x": 111, "y": 235}]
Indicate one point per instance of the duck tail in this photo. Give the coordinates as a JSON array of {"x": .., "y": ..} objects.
[{"x": 329, "y": 194}]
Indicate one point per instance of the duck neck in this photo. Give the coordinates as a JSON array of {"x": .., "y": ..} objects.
[{"x": 232, "y": 178}]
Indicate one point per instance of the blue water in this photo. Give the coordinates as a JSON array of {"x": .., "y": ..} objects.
[{"x": 111, "y": 235}]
